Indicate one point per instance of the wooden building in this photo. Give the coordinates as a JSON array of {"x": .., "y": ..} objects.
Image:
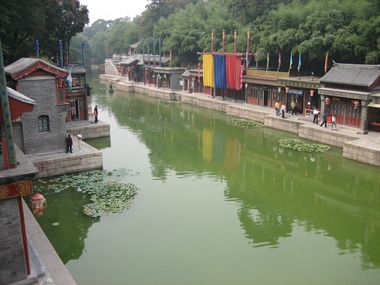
[
  {"x": 303, "y": 91},
  {"x": 168, "y": 77},
  {"x": 348, "y": 91},
  {"x": 263, "y": 88},
  {"x": 76, "y": 95}
]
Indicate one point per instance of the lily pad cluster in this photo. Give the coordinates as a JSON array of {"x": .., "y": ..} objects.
[
  {"x": 245, "y": 123},
  {"x": 299, "y": 145},
  {"x": 167, "y": 102},
  {"x": 107, "y": 194}
]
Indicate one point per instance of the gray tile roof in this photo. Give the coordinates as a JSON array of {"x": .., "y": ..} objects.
[
  {"x": 185, "y": 74},
  {"x": 19, "y": 97},
  {"x": 24, "y": 63},
  {"x": 75, "y": 68},
  {"x": 352, "y": 74},
  {"x": 138, "y": 58}
]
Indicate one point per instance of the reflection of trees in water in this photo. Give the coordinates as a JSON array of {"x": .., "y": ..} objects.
[
  {"x": 284, "y": 194},
  {"x": 65, "y": 224},
  {"x": 324, "y": 192},
  {"x": 264, "y": 228}
]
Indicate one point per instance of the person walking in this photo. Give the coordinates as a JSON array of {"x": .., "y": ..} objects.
[
  {"x": 316, "y": 114},
  {"x": 333, "y": 123},
  {"x": 277, "y": 107},
  {"x": 293, "y": 105},
  {"x": 69, "y": 144},
  {"x": 283, "y": 109},
  {"x": 324, "y": 120},
  {"x": 96, "y": 114}
]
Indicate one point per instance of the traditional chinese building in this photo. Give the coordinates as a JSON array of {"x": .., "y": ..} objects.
[
  {"x": 347, "y": 92},
  {"x": 168, "y": 77},
  {"x": 44, "y": 129},
  {"x": 303, "y": 91},
  {"x": 76, "y": 95},
  {"x": 263, "y": 88}
]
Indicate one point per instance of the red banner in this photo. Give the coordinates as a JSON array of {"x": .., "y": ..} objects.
[{"x": 233, "y": 71}]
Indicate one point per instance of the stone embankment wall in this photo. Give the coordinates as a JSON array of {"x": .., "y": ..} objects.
[
  {"x": 353, "y": 150},
  {"x": 349, "y": 142},
  {"x": 91, "y": 131},
  {"x": 71, "y": 163},
  {"x": 12, "y": 263}
]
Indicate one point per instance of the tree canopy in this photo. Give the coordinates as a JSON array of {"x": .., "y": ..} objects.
[
  {"x": 24, "y": 21},
  {"x": 349, "y": 30}
]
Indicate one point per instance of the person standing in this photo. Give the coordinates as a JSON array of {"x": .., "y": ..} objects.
[
  {"x": 96, "y": 114},
  {"x": 333, "y": 123},
  {"x": 69, "y": 144},
  {"x": 324, "y": 120},
  {"x": 316, "y": 114},
  {"x": 277, "y": 107}
]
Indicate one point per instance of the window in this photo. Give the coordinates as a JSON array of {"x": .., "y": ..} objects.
[{"x": 43, "y": 124}]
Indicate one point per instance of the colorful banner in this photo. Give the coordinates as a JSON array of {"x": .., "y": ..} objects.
[
  {"x": 220, "y": 71},
  {"x": 326, "y": 61},
  {"x": 233, "y": 70},
  {"x": 208, "y": 70}
]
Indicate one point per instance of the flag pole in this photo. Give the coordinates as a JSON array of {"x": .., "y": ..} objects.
[
  {"x": 212, "y": 41},
  {"x": 234, "y": 41},
  {"x": 223, "y": 39}
]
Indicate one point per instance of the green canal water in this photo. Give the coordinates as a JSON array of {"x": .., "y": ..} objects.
[{"x": 218, "y": 204}]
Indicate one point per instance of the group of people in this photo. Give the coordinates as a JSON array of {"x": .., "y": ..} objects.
[
  {"x": 279, "y": 109},
  {"x": 334, "y": 126},
  {"x": 293, "y": 106}
]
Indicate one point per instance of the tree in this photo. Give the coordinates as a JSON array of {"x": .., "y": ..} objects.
[{"x": 24, "y": 21}]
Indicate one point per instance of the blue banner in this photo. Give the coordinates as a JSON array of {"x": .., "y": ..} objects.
[{"x": 220, "y": 71}]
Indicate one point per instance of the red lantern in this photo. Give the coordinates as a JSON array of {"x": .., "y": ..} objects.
[
  {"x": 311, "y": 92},
  {"x": 38, "y": 203},
  {"x": 356, "y": 104},
  {"x": 287, "y": 89},
  {"x": 327, "y": 101}
]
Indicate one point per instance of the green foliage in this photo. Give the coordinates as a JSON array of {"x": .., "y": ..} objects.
[
  {"x": 348, "y": 29},
  {"x": 299, "y": 145},
  {"x": 245, "y": 123},
  {"x": 24, "y": 21},
  {"x": 107, "y": 193}
]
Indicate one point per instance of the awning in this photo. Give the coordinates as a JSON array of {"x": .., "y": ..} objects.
[
  {"x": 374, "y": 105},
  {"x": 18, "y": 104}
]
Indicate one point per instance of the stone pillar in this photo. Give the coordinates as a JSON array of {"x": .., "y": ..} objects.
[
  {"x": 364, "y": 117},
  {"x": 322, "y": 104}
]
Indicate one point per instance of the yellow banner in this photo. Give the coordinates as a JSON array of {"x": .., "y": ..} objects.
[{"x": 208, "y": 70}]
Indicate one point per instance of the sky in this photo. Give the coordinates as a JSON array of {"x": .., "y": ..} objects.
[{"x": 113, "y": 9}]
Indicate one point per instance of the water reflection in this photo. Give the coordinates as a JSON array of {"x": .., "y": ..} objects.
[
  {"x": 277, "y": 188},
  {"x": 66, "y": 224}
]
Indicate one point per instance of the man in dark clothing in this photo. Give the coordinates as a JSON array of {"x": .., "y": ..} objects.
[
  {"x": 324, "y": 118},
  {"x": 69, "y": 144},
  {"x": 96, "y": 113}
]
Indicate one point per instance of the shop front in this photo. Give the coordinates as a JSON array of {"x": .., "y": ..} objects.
[
  {"x": 303, "y": 91},
  {"x": 263, "y": 88}
]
